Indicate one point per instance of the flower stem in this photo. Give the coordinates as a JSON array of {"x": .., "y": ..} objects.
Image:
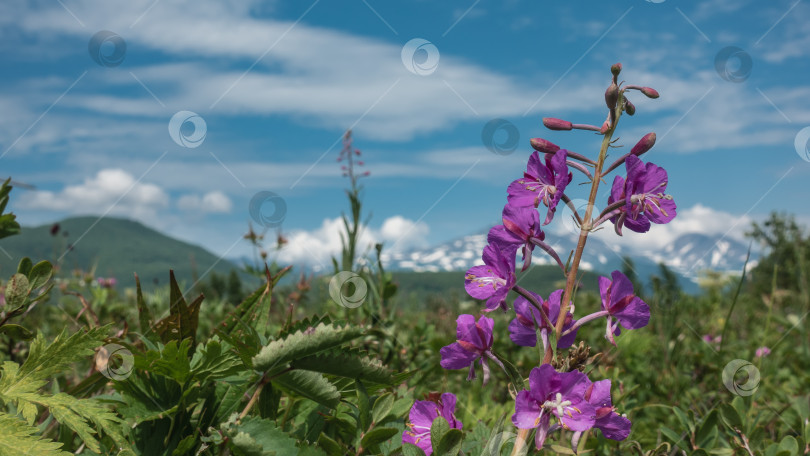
[{"x": 585, "y": 228}]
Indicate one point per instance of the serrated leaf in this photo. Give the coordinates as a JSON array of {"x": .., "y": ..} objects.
[
  {"x": 349, "y": 364},
  {"x": 382, "y": 407},
  {"x": 377, "y": 436},
  {"x": 19, "y": 439},
  {"x": 259, "y": 437},
  {"x": 363, "y": 406},
  {"x": 310, "y": 385},
  {"x": 450, "y": 444},
  {"x": 303, "y": 343},
  {"x": 16, "y": 332},
  {"x": 144, "y": 314}
]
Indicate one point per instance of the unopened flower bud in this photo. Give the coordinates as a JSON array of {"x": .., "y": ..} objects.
[
  {"x": 605, "y": 127},
  {"x": 629, "y": 108},
  {"x": 616, "y": 68},
  {"x": 612, "y": 96},
  {"x": 556, "y": 124},
  {"x": 644, "y": 144},
  {"x": 542, "y": 145},
  {"x": 650, "y": 92},
  {"x": 367, "y": 173}
]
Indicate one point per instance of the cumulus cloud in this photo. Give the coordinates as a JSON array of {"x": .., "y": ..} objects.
[
  {"x": 317, "y": 247},
  {"x": 110, "y": 191},
  {"x": 214, "y": 202},
  {"x": 696, "y": 219}
]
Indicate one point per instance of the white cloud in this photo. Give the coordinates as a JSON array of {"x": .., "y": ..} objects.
[
  {"x": 317, "y": 247},
  {"x": 112, "y": 191},
  {"x": 214, "y": 202},
  {"x": 696, "y": 219}
]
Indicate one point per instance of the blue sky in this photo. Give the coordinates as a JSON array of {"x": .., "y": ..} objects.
[{"x": 277, "y": 83}]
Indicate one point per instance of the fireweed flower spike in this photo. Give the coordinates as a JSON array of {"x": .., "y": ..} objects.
[
  {"x": 492, "y": 280},
  {"x": 553, "y": 394},
  {"x": 523, "y": 329},
  {"x": 541, "y": 182},
  {"x": 619, "y": 302},
  {"x": 474, "y": 341},
  {"x": 421, "y": 418},
  {"x": 612, "y": 425}
]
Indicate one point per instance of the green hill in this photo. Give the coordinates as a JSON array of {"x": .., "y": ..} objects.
[{"x": 115, "y": 247}]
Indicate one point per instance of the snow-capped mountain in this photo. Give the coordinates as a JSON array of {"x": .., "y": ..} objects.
[{"x": 688, "y": 255}]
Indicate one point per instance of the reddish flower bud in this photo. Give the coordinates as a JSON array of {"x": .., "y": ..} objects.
[
  {"x": 541, "y": 145},
  {"x": 557, "y": 124},
  {"x": 359, "y": 162},
  {"x": 644, "y": 144},
  {"x": 650, "y": 92},
  {"x": 612, "y": 96},
  {"x": 616, "y": 68},
  {"x": 367, "y": 173},
  {"x": 357, "y": 151},
  {"x": 605, "y": 127},
  {"x": 629, "y": 108}
]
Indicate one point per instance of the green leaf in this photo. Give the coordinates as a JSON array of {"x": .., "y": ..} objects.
[
  {"x": 377, "y": 436},
  {"x": 674, "y": 437},
  {"x": 561, "y": 449},
  {"x": 409, "y": 449},
  {"x": 438, "y": 429},
  {"x": 17, "y": 291},
  {"x": 686, "y": 423},
  {"x": 24, "y": 267},
  {"x": 303, "y": 343},
  {"x": 707, "y": 432},
  {"x": 144, "y": 314},
  {"x": 730, "y": 416},
  {"x": 349, "y": 364},
  {"x": 310, "y": 385},
  {"x": 363, "y": 406},
  {"x": 382, "y": 407},
  {"x": 19, "y": 439},
  {"x": 450, "y": 444},
  {"x": 16, "y": 332},
  {"x": 789, "y": 444},
  {"x": 39, "y": 275},
  {"x": 259, "y": 437},
  {"x": 329, "y": 445},
  {"x": 185, "y": 446},
  {"x": 269, "y": 399}
]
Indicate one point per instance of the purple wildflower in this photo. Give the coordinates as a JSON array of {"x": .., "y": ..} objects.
[
  {"x": 612, "y": 425},
  {"x": 474, "y": 341},
  {"x": 421, "y": 418},
  {"x": 542, "y": 182},
  {"x": 557, "y": 394},
  {"x": 520, "y": 226},
  {"x": 492, "y": 280},
  {"x": 643, "y": 191},
  {"x": 523, "y": 329},
  {"x": 762, "y": 352},
  {"x": 619, "y": 301}
]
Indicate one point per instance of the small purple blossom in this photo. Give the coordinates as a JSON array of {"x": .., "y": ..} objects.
[
  {"x": 542, "y": 182},
  {"x": 762, "y": 352},
  {"x": 554, "y": 394},
  {"x": 612, "y": 425},
  {"x": 421, "y": 418},
  {"x": 523, "y": 329},
  {"x": 620, "y": 302},
  {"x": 520, "y": 226},
  {"x": 492, "y": 280},
  {"x": 474, "y": 341},
  {"x": 643, "y": 192}
]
